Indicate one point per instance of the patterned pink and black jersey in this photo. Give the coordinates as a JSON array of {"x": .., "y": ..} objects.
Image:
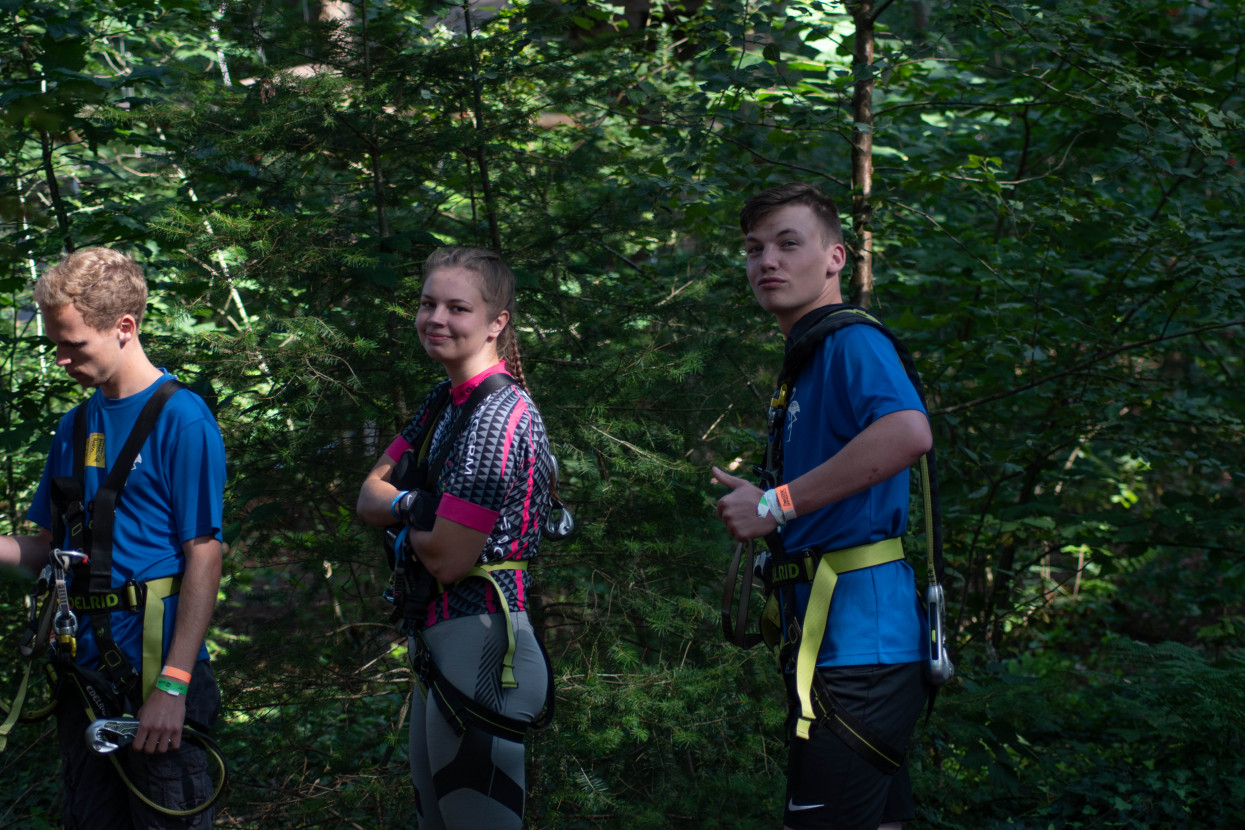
[{"x": 495, "y": 480}]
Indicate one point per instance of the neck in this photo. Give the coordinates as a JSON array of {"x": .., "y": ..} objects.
[
  {"x": 463, "y": 371},
  {"x": 135, "y": 374}
]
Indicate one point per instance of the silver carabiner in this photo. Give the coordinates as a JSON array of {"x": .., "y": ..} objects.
[
  {"x": 938, "y": 667},
  {"x": 108, "y": 734},
  {"x": 66, "y": 559}
]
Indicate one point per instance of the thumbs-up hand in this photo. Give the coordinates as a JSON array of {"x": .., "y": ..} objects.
[{"x": 738, "y": 508}]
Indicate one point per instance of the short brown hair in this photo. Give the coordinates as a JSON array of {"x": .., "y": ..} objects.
[
  {"x": 796, "y": 193},
  {"x": 103, "y": 284}
]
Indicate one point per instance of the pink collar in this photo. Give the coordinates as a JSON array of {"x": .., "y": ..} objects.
[{"x": 460, "y": 393}]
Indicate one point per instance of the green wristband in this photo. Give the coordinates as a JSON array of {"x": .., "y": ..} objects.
[{"x": 171, "y": 686}]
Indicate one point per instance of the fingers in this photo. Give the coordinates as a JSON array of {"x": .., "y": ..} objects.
[
  {"x": 157, "y": 741},
  {"x": 723, "y": 477},
  {"x": 160, "y": 723}
]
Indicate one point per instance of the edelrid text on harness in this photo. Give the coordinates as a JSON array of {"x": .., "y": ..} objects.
[
  {"x": 801, "y": 642},
  {"x": 413, "y": 588}
]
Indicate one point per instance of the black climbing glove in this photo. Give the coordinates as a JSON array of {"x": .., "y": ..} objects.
[{"x": 417, "y": 508}]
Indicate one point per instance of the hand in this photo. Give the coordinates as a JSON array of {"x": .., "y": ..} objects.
[
  {"x": 418, "y": 508},
  {"x": 738, "y": 508},
  {"x": 160, "y": 723}
]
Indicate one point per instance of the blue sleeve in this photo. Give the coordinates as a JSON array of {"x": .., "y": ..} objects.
[
  {"x": 195, "y": 466},
  {"x": 867, "y": 378},
  {"x": 59, "y": 463}
]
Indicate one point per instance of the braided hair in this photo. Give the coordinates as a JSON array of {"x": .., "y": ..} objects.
[{"x": 497, "y": 289}]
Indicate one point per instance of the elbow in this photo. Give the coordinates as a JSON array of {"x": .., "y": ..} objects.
[
  {"x": 444, "y": 572},
  {"x": 920, "y": 439},
  {"x": 369, "y": 511},
  {"x": 925, "y": 443}
]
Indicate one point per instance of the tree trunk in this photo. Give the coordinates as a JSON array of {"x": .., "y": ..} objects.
[{"x": 862, "y": 153}]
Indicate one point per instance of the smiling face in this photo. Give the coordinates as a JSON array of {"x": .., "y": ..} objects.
[
  {"x": 91, "y": 356},
  {"x": 791, "y": 267},
  {"x": 455, "y": 325}
]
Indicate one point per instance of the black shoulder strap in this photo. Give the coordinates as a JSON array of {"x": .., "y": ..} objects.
[
  {"x": 104, "y": 512},
  {"x": 486, "y": 387}
]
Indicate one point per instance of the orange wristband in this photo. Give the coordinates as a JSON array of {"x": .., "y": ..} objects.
[
  {"x": 785, "y": 502},
  {"x": 176, "y": 674}
]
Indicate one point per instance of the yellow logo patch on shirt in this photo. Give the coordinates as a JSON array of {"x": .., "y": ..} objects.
[{"x": 95, "y": 450}]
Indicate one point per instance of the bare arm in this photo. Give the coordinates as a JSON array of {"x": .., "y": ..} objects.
[
  {"x": 163, "y": 714},
  {"x": 376, "y": 495},
  {"x": 448, "y": 551},
  {"x": 29, "y": 553},
  {"x": 885, "y": 448}
]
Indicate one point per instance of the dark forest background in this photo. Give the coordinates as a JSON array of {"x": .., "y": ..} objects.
[{"x": 1043, "y": 199}]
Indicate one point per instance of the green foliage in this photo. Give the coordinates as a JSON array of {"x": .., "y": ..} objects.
[
  {"x": 1137, "y": 736},
  {"x": 1055, "y": 233}
]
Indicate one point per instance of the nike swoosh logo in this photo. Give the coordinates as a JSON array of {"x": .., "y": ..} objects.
[{"x": 795, "y": 808}]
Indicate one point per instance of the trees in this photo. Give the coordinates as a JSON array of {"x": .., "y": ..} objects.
[{"x": 1051, "y": 223}]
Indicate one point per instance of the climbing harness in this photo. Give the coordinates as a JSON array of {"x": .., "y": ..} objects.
[
  {"x": 413, "y": 589},
  {"x": 780, "y": 571},
  {"x": 60, "y": 606}
]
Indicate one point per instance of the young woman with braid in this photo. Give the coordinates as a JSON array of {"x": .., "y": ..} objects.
[{"x": 490, "y": 500}]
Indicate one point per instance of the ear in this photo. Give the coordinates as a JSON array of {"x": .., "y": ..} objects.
[
  {"x": 836, "y": 258},
  {"x": 126, "y": 328},
  {"x": 499, "y": 322}
]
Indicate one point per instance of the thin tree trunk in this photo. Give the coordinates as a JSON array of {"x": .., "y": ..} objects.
[
  {"x": 862, "y": 154},
  {"x": 481, "y": 157}
]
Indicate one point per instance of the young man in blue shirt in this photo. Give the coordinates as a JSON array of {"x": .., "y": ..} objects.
[
  {"x": 167, "y": 530},
  {"x": 854, "y": 424}
]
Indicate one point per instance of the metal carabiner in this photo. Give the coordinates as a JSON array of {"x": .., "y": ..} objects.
[
  {"x": 108, "y": 734},
  {"x": 66, "y": 559}
]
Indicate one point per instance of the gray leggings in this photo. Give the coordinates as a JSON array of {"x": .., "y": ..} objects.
[{"x": 475, "y": 780}]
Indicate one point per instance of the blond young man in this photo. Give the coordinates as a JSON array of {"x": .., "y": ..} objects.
[{"x": 167, "y": 529}]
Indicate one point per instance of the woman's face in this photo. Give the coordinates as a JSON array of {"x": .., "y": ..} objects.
[{"x": 454, "y": 323}]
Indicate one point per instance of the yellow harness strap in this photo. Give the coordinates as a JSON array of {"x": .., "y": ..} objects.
[
  {"x": 485, "y": 572},
  {"x": 818, "y": 612},
  {"x": 153, "y": 628}
]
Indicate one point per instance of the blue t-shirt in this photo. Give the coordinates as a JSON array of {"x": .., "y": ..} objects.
[
  {"x": 853, "y": 380},
  {"x": 175, "y": 493}
]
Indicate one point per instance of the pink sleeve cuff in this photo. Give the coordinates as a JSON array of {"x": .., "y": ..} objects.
[
  {"x": 399, "y": 446},
  {"x": 467, "y": 514}
]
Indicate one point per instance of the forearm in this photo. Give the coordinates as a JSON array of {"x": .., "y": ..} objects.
[
  {"x": 29, "y": 553},
  {"x": 196, "y": 601},
  {"x": 376, "y": 495},
  {"x": 886, "y": 448},
  {"x": 449, "y": 550}
]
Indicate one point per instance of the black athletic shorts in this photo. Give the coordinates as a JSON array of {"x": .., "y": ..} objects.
[
  {"x": 95, "y": 797},
  {"x": 829, "y": 786}
]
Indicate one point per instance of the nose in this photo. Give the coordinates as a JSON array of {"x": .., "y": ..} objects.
[
  {"x": 768, "y": 260},
  {"x": 62, "y": 356}
]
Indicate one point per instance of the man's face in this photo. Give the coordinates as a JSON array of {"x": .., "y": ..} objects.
[
  {"x": 89, "y": 356},
  {"x": 790, "y": 268}
]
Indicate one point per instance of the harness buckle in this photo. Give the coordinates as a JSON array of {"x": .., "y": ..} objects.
[
  {"x": 66, "y": 625},
  {"x": 134, "y": 594}
]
